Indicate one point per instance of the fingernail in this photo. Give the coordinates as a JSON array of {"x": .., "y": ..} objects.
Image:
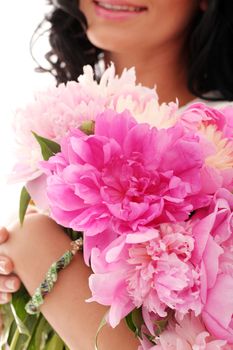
[
  {"x": 2, "y": 266},
  {"x": 10, "y": 284}
]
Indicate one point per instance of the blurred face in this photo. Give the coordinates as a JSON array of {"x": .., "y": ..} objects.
[{"x": 118, "y": 25}]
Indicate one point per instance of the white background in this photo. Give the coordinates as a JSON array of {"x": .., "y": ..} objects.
[{"x": 18, "y": 20}]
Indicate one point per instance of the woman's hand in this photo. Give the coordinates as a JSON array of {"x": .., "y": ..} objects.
[
  {"x": 33, "y": 247},
  {"x": 9, "y": 283}
]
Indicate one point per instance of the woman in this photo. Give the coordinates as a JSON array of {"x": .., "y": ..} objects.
[{"x": 182, "y": 46}]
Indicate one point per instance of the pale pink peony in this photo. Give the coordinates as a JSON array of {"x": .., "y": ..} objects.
[
  {"x": 127, "y": 176},
  {"x": 214, "y": 126},
  {"x": 149, "y": 269},
  {"x": 199, "y": 113},
  {"x": 53, "y": 113},
  {"x": 59, "y": 109},
  {"x": 161, "y": 275},
  {"x": 123, "y": 93},
  {"x": 227, "y": 122},
  {"x": 188, "y": 333}
]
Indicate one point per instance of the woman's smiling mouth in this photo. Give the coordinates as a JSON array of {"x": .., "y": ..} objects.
[{"x": 117, "y": 9}]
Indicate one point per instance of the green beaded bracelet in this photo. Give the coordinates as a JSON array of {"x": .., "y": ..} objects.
[{"x": 33, "y": 306}]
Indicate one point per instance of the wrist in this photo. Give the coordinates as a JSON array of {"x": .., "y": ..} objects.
[{"x": 34, "y": 247}]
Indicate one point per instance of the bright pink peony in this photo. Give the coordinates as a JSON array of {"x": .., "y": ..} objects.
[{"x": 127, "y": 175}]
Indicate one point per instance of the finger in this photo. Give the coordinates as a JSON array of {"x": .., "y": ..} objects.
[
  {"x": 9, "y": 284},
  {"x": 5, "y": 298},
  {"x": 4, "y": 235},
  {"x": 6, "y": 265}
]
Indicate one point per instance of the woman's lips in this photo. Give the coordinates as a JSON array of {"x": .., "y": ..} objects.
[{"x": 117, "y": 9}]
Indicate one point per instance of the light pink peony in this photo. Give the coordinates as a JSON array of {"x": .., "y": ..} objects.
[
  {"x": 161, "y": 275},
  {"x": 127, "y": 176},
  {"x": 53, "y": 113},
  {"x": 152, "y": 269},
  {"x": 188, "y": 333},
  {"x": 213, "y": 234}
]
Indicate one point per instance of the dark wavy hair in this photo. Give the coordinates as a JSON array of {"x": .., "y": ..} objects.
[{"x": 210, "y": 43}]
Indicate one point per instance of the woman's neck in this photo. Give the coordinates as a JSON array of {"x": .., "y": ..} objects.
[{"x": 165, "y": 69}]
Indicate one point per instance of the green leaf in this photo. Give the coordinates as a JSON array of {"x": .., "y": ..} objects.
[
  {"x": 20, "y": 324},
  {"x": 134, "y": 321},
  {"x": 162, "y": 324},
  {"x": 12, "y": 330},
  {"x": 101, "y": 326},
  {"x": 55, "y": 343},
  {"x": 40, "y": 334},
  {"x": 151, "y": 338},
  {"x": 7, "y": 319},
  {"x": 48, "y": 147},
  {"x": 23, "y": 204},
  {"x": 130, "y": 323},
  {"x": 24, "y": 324},
  {"x": 19, "y": 300}
]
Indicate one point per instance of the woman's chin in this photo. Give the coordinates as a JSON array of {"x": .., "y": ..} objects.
[{"x": 110, "y": 41}]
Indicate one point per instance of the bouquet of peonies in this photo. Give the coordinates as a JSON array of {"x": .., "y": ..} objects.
[{"x": 149, "y": 187}]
